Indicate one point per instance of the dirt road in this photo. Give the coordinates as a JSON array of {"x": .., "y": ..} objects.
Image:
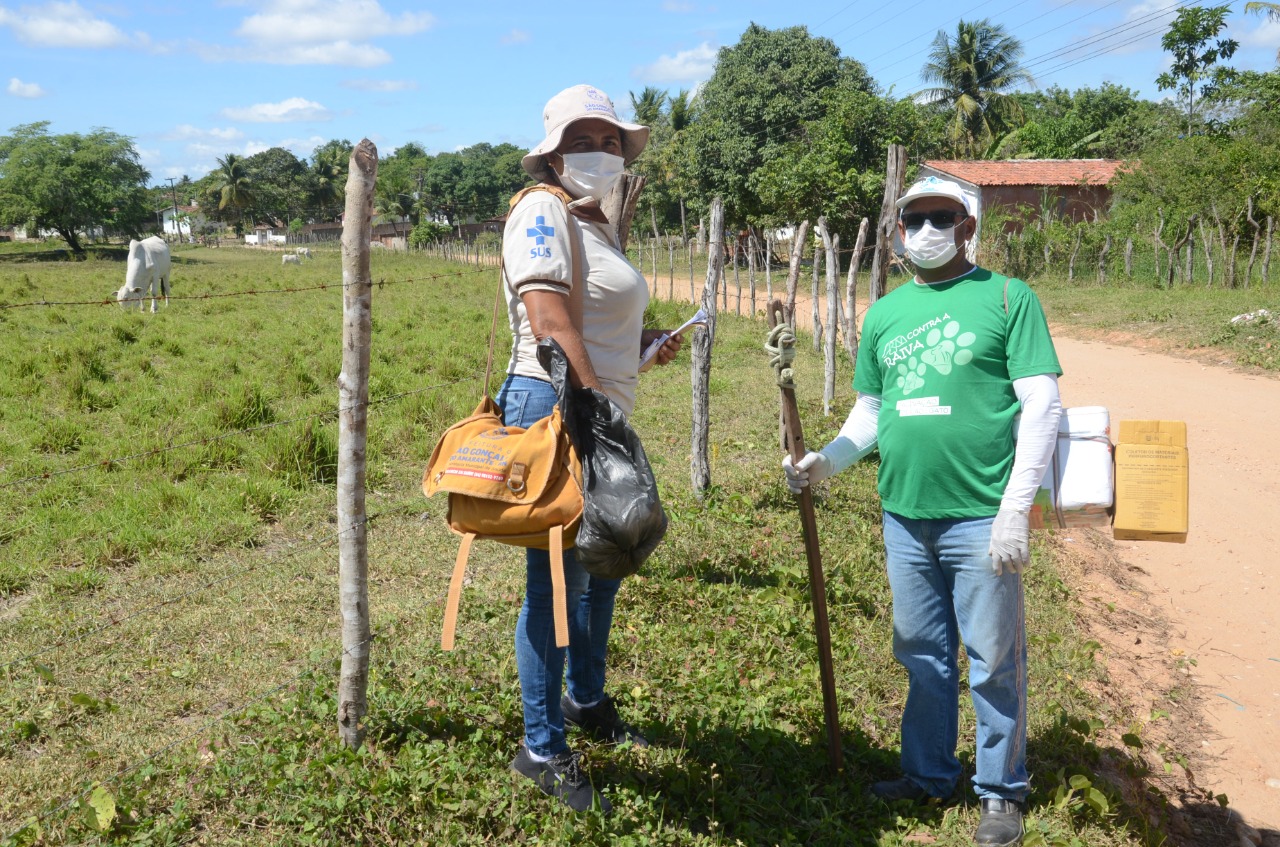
[{"x": 1220, "y": 590}]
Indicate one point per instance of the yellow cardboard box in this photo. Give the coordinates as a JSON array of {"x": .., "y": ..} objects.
[{"x": 1151, "y": 481}]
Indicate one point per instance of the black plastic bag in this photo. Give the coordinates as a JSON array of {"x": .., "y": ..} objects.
[{"x": 622, "y": 518}]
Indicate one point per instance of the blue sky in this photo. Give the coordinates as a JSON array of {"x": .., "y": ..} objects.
[{"x": 190, "y": 81}]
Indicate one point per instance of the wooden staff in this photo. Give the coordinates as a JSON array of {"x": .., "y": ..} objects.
[{"x": 794, "y": 443}]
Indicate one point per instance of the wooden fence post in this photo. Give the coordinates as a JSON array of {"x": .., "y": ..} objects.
[
  {"x": 793, "y": 271},
  {"x": 816, "y": 298},
  {"x": 700, "y": 469},
  {"x": 353, "y": 400},
  {"x": 895, "y": 173},
  {"x": 619, "y": 207},
  {"x": 851, "y": 293},
  {"x": 832, "y": 247}
]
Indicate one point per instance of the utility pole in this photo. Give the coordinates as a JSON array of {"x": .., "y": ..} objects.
[{"x": 177, "y": 225}]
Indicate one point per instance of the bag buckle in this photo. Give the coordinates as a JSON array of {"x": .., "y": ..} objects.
[{"x": 516, "y": 482}]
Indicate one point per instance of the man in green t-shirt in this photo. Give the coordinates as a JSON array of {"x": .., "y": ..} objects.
[{"x": 945, "y": 363}]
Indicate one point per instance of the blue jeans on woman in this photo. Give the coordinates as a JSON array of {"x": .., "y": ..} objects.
[
  {"x": 944, "y": 591},
  {"x": 540, "y": 663}
]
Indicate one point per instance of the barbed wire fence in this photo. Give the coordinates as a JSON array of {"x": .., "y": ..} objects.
[{"x": 90, "y": 638}]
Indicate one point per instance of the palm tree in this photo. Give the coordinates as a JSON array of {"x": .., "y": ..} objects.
[
  {"x": 975, "y": 72},
  {"x": 1271, "y": 10},
  {"x": 680, "y": 115},
  {"x": 234, "y": 190},
  {"x": 330, "y": 170},
  {"x": 392, "y": 201},
  {"x": 648, "y": 106}
]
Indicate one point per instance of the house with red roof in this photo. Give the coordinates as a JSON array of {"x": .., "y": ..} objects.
[{"x": 1073, "y": 189}]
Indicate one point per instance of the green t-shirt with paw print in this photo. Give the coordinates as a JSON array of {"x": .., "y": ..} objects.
[{"x": 943, "y": 358}]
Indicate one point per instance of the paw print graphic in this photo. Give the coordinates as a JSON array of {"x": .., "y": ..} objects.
[
  {"x": 948, "y": 347},
  {"x": 911, "y": 375}
]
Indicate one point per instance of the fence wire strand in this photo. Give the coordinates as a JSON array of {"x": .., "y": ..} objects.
[{"x": 311, "y": 546}]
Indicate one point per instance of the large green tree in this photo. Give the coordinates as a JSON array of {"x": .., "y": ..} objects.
[
  {"x": 1193, "y": 42},
  {"x": 72, "y": 184},
  {"x": 836, "y": 168},
  {"x": 762, "y": 92},
  {"x": 280, "y": 185},
  {"x": 976, "y": 72},
  {"x": 1110, "y": 121}
]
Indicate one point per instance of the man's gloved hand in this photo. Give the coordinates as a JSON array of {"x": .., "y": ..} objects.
[
  {"x": 813, "y": 467},
  {"x": 1010, "y": 541}
]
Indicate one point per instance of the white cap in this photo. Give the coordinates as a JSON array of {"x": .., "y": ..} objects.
[
  {"x": 575, "y": 104},
  {"x": 932, "y": 186}
]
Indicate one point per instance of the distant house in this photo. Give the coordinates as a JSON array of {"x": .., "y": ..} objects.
[
  {"x": 179, "y": 224},
  {"x": 1075, "y": 189}
]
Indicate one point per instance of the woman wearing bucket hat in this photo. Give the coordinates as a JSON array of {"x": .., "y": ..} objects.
[{"x": 547, "y": 248}]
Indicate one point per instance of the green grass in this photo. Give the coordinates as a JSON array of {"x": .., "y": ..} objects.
[{"x": 170, "y": 628}]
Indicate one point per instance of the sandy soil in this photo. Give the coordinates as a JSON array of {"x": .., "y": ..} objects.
[
  {"x": 1218, "y": 593},
  {"x": 1200, "y": 619}
]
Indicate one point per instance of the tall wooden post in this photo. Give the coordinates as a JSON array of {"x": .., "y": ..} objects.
[
  {"x": 619, "y": 207},
  {"x": 793, "y": 271},
  {"x": 895, "y": 173},
  {"x": 353, "y": 403},
  {"x": 831, "y": 245},
  {"x": 851, "y": 293},
  {"x": 700, "y": 469}
]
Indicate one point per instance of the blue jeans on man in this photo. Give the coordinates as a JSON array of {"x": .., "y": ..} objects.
[
  {"x": 540, "y": 663},
  {"x": 945, "y": 592}
]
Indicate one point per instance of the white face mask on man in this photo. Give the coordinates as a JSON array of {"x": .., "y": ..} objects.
[
  {"x": 590, "y": 174},
  {"x": 930, "y": 248}
]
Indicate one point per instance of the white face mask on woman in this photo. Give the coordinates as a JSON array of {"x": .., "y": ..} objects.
[
  {"x": 590, "y": 174},
  {"x": 930, "y": 248}
]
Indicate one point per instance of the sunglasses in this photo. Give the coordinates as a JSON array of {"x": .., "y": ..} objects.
[{"x": 939, "y": 218}]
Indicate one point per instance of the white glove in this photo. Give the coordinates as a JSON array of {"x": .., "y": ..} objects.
[
  {"x": 1010, "y": 541},
  {"x": 813, "y": 467}
]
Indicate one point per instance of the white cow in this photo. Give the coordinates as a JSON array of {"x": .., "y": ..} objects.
[
  {"x": 290, "y": 259},
  {"x": 146, "y": 269},
  {"x": 304, "y": 252}
]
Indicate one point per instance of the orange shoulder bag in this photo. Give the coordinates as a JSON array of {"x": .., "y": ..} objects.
[{"x": 514, "y": 485}]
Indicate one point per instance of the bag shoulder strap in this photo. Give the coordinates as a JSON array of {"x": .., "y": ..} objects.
[
  {"x": 558, "y": 598},
  {"x": 576, "y": 264}
]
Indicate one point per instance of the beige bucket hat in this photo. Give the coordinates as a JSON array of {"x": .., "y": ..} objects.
[{"x": 574, "y": 104}]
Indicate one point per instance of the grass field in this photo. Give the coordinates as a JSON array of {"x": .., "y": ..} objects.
[{"x": 168, "y": 613}]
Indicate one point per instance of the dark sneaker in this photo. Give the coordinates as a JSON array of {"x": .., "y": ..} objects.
[
  {"x": 602, "y": 722},
  {"x": 562, "y": 777},
  {"x": 902, "y": 788},
  {"x": 1000, "y": 824}
]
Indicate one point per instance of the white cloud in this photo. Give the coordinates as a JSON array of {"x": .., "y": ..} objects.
[
  {"x": 325, "y": 21},
  {"x": 292, "y": 109},
  {"x": 342, "y": 53},
  {"x": 380, "y": 86},
  {"x": 686, "y": 66},
  {"x": 516, "y": 36},
  {"x": 187, "y": 132},
  {"x": 1266, "y": 34},
  {"x": 29, "y": 90},
  {"x": 318, "y": 32},
  {"x": 60, "y": 24}
]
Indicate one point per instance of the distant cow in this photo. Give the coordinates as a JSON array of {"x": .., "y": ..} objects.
[
  {"x": 290, "y": 259},
  {"x": 147, "y": 269},
  {"x": 304, "y": 252}
]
